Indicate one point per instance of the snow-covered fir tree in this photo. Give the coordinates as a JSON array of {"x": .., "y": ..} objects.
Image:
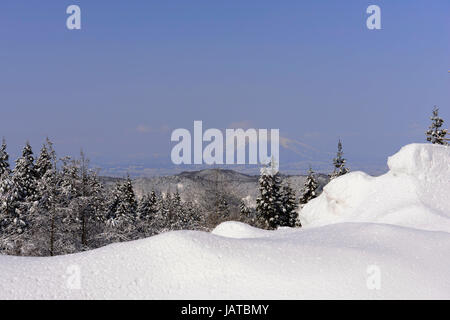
[
  {"x": 12, "y": 219},
  {"x": 24, "y": 175},
  {"x": 44, "y": 161},
  {"x": 243, "y": 209},
  {"x": 289, "y": 207},
  {"x": 310, "y": 188},
  {"x": 18, "y": 196},
  {"x": 47, "y": 215},
  {"x": 177, "y": 219},
  {"x": 269, "y": 203},
  {"x": 147, "y": 206},
  {"x": 435, "y": 134},
  {"x": 339, "y": 163},
  {"x": 121, "y": 218},
  {"x": 127, "y": 205},
  {"x": 89, "y": 204},
  {"x": 165, "y": 214},
  {"x": 4, "y": 159},
  {"x": 147, "y": 214},
  {"x": 223, "y": 209},
  {"x": 192, "y": 216}
]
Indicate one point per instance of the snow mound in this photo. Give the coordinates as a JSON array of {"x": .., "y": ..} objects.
[
  {"x": 338, "y": 261},
  {"x": 413, "y": 193}
]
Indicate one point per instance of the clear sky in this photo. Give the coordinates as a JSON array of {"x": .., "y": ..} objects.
[{"x": 139, "y": 69}]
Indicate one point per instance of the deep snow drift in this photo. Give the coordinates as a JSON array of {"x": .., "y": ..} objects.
[
  {"x": 386, "y": 232},
  {"x": 414, "y": 193}
]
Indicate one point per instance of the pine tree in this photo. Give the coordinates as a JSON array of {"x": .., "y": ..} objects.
[
  {"x": 269, "y": 203},
  {"x": 82, "y": 206},
  {"x": 4, "y": 159},
  {"x": 166, "y": 214},
  {"x": 248, "y": 215},
  {"x": 44, "y": 161},
  {"x": 144, "y": 207},
  {"x": 289, "y": 215},
  {"x": 223, "y": 209},
  {"x": 13, "y": 218},
  {"x": 339, "y": 163},
  {"x": 47, "y": 214},
  {"x": 435, "y": 134},
  {"x": 24, "y": 175},
  {"x": 243, "y": 209},
  {"x": 178, "y": 220},
  {"x": 9, "y": 207},
  {"x": 153, "y": 203},
  {"x": 310, "y": 188},
  {"x": 148, "y": 207},
  {"x": 192, "y": 216},
  {"x": 124, "y": 204}
]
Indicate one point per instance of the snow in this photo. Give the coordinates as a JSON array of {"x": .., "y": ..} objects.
[
  {"x": 413, "y": 193},
  {"x": 392, "y": 231}
]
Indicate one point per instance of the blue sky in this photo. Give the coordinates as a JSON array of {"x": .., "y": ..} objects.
[{"x": 139, "y": 69}]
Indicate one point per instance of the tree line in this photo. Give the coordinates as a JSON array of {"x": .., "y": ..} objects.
[{"x": 52, "y": 206}]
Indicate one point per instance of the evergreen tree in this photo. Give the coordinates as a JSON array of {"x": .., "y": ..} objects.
[
  {"x": 12, "y": 219},
  {"x": 44, "y": 161},
  {"x": 166, "y": 212},
  {"x": 289, "y": 215},
  {"x": 192, "y": 216},
  {"x": 82, "y": 205},
  {"x": 243, "y": 209},
  {"x": 435, "y": 134},
  {"x": 89, "y": 204},
  {"x": 4, "y": 159},
  {"x": 70, "y": 180},
  {"x": 339, "y": 163},
  {"x": 269, "y": 203},
  {"x": 178, "y": 220},
  {"x": 24, "y": 175},
  {"x": 123, "y": 207},
  {"x": 310, "y": 188},
  {"x": 248, "y": 215},
  {"x": 153, "y": 203},
  {"x": 144, "y": 207},
  {"x": 47, "y": 215},
  {"x": 223, "y": 209},
  {"x": 147, "y": 214},
  {"x": 127, "y": 201},
  {"x": 113, "y": 203}
]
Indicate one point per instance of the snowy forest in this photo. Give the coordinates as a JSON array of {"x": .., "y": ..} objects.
[{"x": 54, "y": 206}]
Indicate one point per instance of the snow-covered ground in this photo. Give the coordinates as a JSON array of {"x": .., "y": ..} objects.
[{"x": 364, "y": 237}]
